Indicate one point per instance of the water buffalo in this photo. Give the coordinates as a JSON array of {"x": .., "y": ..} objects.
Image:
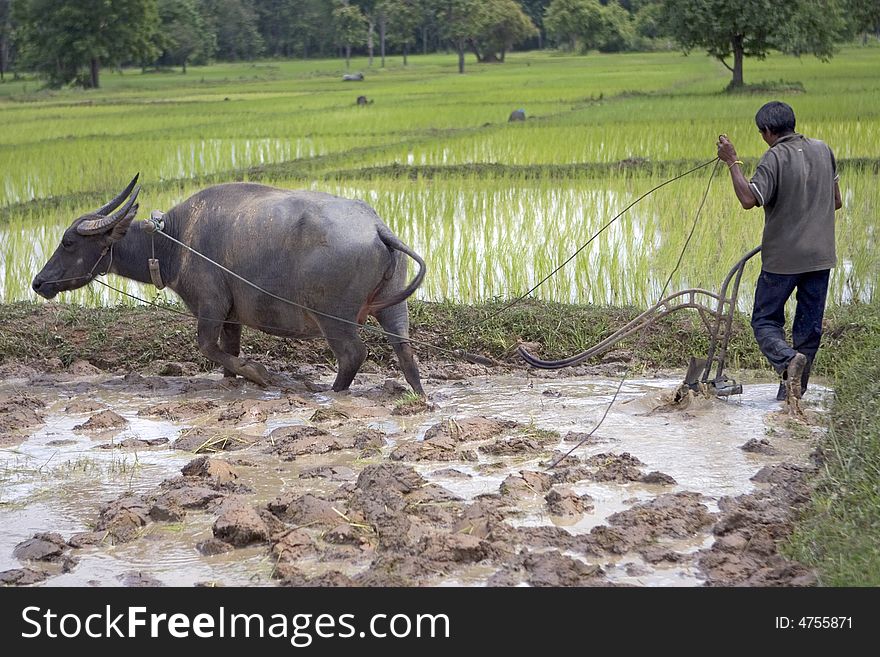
[{"x": 334, "y": 256}]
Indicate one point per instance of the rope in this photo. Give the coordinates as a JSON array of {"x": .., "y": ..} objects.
[
  {"x": 510, "y": 305},
  {"x": 662, "y": 294},
  {"x": 457, "y": 353}
]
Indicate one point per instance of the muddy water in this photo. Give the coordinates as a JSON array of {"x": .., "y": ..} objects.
[{"x": 59, "y": 476}]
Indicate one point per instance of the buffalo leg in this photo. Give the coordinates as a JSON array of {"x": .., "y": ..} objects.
[
  {"x": 349, "y": 349},
  {"x": 396, "y": 320},
  {"x": 230, "y": 342},
  {"x": 208, "y": 335}
]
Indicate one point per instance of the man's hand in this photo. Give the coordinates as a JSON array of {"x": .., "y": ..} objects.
[
  {"x": 726, "y": 151},
  {"x": 727, "y": 154}
]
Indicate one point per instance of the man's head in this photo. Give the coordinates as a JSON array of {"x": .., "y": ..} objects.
[{"x": 775, "y": 120}]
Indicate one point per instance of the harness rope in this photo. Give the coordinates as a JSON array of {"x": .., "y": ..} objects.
[{"x": 662, "y": 294}]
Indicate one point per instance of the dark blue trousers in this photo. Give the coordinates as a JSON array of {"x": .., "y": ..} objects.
[{"x": 768, "y": 317}]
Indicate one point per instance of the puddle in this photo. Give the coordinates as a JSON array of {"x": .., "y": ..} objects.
[{"x": 58, "y": 477}]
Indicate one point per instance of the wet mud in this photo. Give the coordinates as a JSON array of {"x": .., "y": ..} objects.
[{"x": 181, "y": 478}]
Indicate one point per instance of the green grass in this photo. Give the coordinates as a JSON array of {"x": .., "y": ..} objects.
[
  {"x": 839, "y": 534},
  {"x": 492, "y": 206}
]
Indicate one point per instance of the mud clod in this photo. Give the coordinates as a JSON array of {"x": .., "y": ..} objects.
[
  {"x": 290, "y": 442},
  {"x": 19, "y": 411},
  {"x": 677, "y": 515},
  {"x": 656, "y": 477},
  {"x": 751, "y": 527},
  {"x": 526, "y": 483},
  {"x": 176, "y": 411},
  {"x": 123, "y": 519},
  {"x": 470, "y": 429},
  {"x": 84, "y": 406},
  {"x": 200, "y": 440},
  {"x": 329, "y": 472},
  {"x": 42, "y": 547},
  {"x": 22, "y": 577},
  {"x": 215, "y": 469},
  {"x": 239, "y": 524},
  {"x": 566, "y": 503},
  {"x": 213, "y": 546},
  {"x": 305, "y": 510},
  {"x": 761, "y": 446},
  {"x": 167, "y": 510},
  {"x": 618, "y": 468},
  {"x": 103, "y": 421},
  {"x": 84, "y": 539}
]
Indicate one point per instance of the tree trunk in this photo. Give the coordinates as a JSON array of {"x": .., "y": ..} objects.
[
  {"x": 382, "y": 38},
  {"x": 405, "y": 48},
  {"x": 424, "y": 39},
  {"x": 503, "y": 52},
  {"x": 461, "y": 56},
  {"x": 94, "y": 70},
  {"x": 347, "y": 56},
  {"x": 370, "y": 40},
  {"x": 4, "y": 54},
  {"x": 476, "y": 50},
  {"x": 737, "y": 80},
  {"x": 184, "y": 66}
]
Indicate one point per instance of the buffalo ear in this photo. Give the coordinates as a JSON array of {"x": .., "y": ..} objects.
[{"x": 120, "y": 228}]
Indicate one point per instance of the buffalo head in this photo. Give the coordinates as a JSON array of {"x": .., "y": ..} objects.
[{"x": 85, "y": 244}]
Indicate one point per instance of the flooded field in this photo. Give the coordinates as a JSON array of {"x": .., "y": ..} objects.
[{"x": 176, "y": 480}]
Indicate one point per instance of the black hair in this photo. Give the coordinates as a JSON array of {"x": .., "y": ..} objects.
[{"x": 777, "y": 117}]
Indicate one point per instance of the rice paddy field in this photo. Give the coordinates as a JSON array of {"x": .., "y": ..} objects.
[{"x": 492, "y": 206}]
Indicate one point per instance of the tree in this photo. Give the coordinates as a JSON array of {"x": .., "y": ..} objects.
[
  {"x": 863, "y": 16},
  {"x": 60, "y": 38},
  {"x": 500, "y": 25},
  {"x": 574, "y": 24},
  {"x": 535, "y": 9},
  {"x": 368, "y": 11},
  {"x": 184, "y": 35},
  {"x": 618, "y": 31},
  {"x": 6, "y": 36},
  {"x": 401, "y": 19},
  {"x": 277, "y": 22},
  {"x": 313, "y": 31},
  {"x": 351, "y": 26},
  {"x": 751, "y": 28},
  {"x": 235, "y": 24},
  {"x": 458, "y": 24}
]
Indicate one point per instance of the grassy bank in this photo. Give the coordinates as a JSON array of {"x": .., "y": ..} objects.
[
  {"x": 839, "y": 534},
  {"x": 126, "y": 337}
]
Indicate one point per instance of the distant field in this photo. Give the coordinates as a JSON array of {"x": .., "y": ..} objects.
[{"x": 493, "y": 206}]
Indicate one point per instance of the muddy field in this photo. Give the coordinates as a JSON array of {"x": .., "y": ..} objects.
[{"x": 169, "y": 476}]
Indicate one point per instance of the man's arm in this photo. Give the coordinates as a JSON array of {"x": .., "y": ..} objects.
[
  {"x": 838, "y": 201},
  {"x": 727, "y": 154}
]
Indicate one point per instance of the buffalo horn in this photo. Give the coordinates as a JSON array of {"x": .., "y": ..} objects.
[
  {"x": 102, "y": 225},
  {"x": 112, "y": 205}
]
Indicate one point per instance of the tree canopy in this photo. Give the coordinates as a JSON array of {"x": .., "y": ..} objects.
[
  {"x": 751, "y": 28},
  {"x": 82, "y": 36}
]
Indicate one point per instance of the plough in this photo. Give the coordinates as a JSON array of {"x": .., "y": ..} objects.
[{"x": 718, "y": 322}]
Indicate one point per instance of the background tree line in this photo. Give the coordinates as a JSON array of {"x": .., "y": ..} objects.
[{"x": 70, "y": 41}]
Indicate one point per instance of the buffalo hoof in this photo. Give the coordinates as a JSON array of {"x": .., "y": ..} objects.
[{"x": 257, "y": 373}]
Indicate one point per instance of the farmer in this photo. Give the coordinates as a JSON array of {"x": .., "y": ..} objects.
[{"x": 796, "y": 184}]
